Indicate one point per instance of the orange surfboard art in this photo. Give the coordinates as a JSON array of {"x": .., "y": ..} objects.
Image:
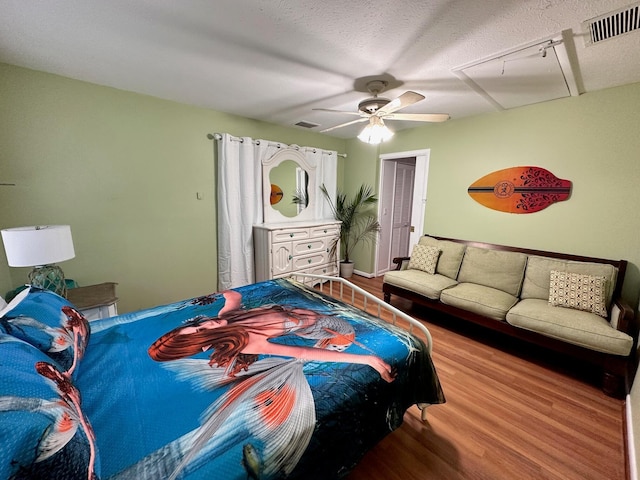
[
  {"x": 276, "y": 194},
  {"x": 519, "y": 189}
]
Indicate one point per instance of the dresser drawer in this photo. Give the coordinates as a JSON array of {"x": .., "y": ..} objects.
[
  {"x": 304, "y": 262},
  {"x": 324, "y": 231},
  {"x": 312, "y": 245},
  {"x": 330, "y": 269},
  {"x": 289, "y": 234}
]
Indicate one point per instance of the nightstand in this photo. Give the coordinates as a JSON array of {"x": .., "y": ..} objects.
[{"x": 95, "y": 301}]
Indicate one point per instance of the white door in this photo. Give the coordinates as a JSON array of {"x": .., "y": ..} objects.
[
  {"x": 386, "y": 205},
  {"x": 385, "y": 215},
  {"x": 402, "y": 203}
]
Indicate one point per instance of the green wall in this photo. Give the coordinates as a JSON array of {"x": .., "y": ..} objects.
[
  {"x": 123, "y": 170},
  {"x": 361, "y": 167},
  {"x": 592, "y": 140}
]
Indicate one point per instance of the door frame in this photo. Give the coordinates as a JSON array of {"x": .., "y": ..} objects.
[{"x": 419, "y": 193}]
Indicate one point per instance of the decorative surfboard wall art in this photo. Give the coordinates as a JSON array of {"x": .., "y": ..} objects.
[
  {"x": 520, "y": 189},
  {"x": 276, "y": 194}
]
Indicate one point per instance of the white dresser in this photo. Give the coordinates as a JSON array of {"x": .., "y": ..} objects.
[{"x": 300, "y": 247}]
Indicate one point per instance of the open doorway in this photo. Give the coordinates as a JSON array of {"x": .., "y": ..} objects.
[{"x": 402, "y": 200}]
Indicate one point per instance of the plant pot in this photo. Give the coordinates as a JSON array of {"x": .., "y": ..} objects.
[{"x": 346, "y": 269}]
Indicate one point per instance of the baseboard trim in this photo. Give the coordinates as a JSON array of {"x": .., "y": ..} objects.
[
  {"x": 364, "y": 274},
  {"x": 631, "y": 447}
]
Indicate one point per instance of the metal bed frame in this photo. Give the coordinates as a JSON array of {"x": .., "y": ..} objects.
[{"x": 335, "y": 287}]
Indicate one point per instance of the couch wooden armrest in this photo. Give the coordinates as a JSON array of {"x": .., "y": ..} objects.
[
  {"x": 399, "y": 261},
  {"x": 627, "y": 321}
]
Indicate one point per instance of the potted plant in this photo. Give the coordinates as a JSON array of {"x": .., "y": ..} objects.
[{"x": 358, "y": 222}]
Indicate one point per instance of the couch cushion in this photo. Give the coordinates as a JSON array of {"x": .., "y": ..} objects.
[
  {"x": 538, "y": 273},
  {"x": 493, "y": 268},
  {"x": 451, "y": 254},
  {"x": 419, "y": 282},
  {"x": 487, "y": 301},
  {"x": 585, "y": 329},
  {"x": 582, "y": 292},
  {"x": 425, "y": 258}
]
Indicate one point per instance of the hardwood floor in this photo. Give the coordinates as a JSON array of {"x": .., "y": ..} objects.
[{"x": 513, "y": 412}]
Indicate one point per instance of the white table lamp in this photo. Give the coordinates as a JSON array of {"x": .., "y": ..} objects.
[{"x": 40, "y": 247}]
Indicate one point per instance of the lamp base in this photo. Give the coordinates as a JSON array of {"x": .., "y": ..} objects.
[{"x": 49, "y": 277}]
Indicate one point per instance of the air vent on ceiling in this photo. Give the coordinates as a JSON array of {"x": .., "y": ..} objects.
[
  {"x": 305, "y": 124},
  {"x": 612, "y": 24}
]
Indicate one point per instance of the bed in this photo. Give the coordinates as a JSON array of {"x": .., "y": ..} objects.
[{"x": 277, "y": 379}]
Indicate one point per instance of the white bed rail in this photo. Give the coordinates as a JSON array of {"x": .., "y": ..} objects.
[{"x": 335, "y": 286}]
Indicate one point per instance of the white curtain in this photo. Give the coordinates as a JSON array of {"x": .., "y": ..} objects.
[
  {"x": 239, "y": 206},
  {"x": 240, "y": 201}
]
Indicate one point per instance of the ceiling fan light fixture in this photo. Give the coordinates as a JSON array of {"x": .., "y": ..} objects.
[{"x": 375, "y": 132}]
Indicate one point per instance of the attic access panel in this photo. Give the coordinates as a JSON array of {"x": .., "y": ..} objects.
[{"x": 529, "y": 74}]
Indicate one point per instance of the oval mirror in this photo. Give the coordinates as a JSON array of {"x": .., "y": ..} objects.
[
  {"x": 290, "y": 183},
  {"x": 295, "y": 177}
]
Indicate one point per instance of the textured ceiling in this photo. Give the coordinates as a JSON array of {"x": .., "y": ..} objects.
[{"x": 277, "y": 60}]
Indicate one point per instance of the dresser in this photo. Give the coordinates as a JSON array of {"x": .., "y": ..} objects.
[{"x": 295, "y": 247}]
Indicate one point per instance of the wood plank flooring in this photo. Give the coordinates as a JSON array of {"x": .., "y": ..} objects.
[{"x": 513, "y": 412}]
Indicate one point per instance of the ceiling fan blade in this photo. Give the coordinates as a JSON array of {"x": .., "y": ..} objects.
[
  {"x": 419, "y": 117},
  {"x": 344, "y": 124},
  {"x": 404, "y": 100},
  {"x": 336, "y": 111}
]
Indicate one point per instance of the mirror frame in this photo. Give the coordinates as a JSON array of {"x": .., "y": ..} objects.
[{"x": 272, "y": 215}]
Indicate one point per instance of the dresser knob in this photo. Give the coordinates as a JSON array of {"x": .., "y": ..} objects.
[
  {"x": 309, "y": 261},
  {"x": 308, "y": 246},
  {"x": 291, "y": 235}
]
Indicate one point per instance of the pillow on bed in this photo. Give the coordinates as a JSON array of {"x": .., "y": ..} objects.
[
  {"x": 425, "y": 258},
  {"x": 582, "y": 292},
  {"x": 44, "y": 433},
  {"x": 48, "y": 322}
]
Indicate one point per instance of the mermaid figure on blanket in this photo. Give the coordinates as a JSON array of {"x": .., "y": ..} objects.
[{"x": 269, "y": 395}]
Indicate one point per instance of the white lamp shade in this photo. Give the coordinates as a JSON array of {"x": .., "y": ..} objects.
[{"x": 38, "y": 245}]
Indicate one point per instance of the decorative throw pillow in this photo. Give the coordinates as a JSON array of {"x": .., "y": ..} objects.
[
  {"x": 44, "y": 433},
  {"x": 582, "y": 292},
  {"x": 425, "y": 258},
  {"x": 48, "y": 322}
]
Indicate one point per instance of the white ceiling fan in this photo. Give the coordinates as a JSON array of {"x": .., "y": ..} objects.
[{"x": 375, "y": 109}]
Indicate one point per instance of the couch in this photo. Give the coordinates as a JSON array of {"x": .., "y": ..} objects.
[{"x": 568, "y": 303}]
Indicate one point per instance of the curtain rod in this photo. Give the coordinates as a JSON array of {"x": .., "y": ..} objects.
[{"x": 218, "y": 136}]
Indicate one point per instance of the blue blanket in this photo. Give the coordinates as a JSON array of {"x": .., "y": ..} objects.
[{"x": 271, "y": 380}]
